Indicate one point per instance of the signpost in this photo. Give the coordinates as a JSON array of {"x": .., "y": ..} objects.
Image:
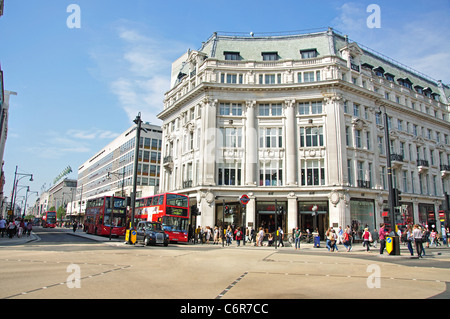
[{"x": 244, "y": 201}]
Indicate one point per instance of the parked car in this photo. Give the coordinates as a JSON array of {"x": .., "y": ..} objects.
[{"x": 151, "y": 233}]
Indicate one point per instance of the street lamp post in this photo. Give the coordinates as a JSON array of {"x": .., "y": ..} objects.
[
  {"x": 390, "y": 184},
  {"x": 138, "y": 122},
  {"x": 16, "y": 182},
  {"x": 26, "y": 198},
  {"x": 118, "y": 175},
  {"x": 112, "y": 198}
]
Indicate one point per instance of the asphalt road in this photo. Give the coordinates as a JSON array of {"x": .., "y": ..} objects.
[{"x": 61, "y": 265}]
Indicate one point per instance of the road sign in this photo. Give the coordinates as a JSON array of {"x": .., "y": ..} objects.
[{"x": 244, "y": 199}]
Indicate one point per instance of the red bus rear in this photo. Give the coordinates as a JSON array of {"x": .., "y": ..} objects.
[
  {"x": 49, "y": 220},
  {"x": 172, "y": 210},
  {"x": 102, "y": 220}
]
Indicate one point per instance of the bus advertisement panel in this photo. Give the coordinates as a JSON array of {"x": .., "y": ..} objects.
[
  {"x": 172, "y": 210},
  {"x": 102, "y": 219},
  {"x": 49, "y": 220}
]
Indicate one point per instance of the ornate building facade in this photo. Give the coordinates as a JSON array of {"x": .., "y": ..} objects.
[{"x": 297, "y": 121}]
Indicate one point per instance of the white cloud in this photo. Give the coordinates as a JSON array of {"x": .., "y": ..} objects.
[
  {"x": 138, "y": 70},
  {"x": 92, "y": 134},
  {"x": 74, "y": 142}
]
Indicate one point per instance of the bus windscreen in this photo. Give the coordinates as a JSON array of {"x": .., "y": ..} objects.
[{"x": 176, "y": 200}]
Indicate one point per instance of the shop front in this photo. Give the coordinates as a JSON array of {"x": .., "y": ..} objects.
[
  {"x": 229, "y": 215},
  {"x": 313, "y": 214},
  {"x": 265, "y": 216},
  {"x": 406, "y": 215},
  {"x": 427, "y": 215},
  {"x": 362, "y": 215}
]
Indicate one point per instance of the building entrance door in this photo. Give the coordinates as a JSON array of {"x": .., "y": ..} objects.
[{"x": 307, "y": 222}]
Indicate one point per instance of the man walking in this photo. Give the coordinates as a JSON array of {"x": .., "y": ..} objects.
[
  {"x": 2, "y": 226},
  {"x": 280, "y": 237},
  {"x": 417, "y": 235}
]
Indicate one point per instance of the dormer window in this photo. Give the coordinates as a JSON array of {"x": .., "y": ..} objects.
[
  {"x": 435, "y": 96},
  {"x": 418, "y": 89},
  {"x": 427, "y": 92},
  {"x": 379, "y": 71},
  {"x": 270, "y": 56},
  {"x": 405, "y": 82},
  {"x": 309, "y": 53},
  {"x": 232, "y": 56},
  {"x": 389, "y": 77}
]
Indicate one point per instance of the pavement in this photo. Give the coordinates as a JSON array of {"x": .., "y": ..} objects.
[{"x": 356, "y": 248}]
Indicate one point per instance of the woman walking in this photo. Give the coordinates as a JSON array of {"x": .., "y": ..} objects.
[
  {"x": 409, "y": 239},
  {"x": 367, "y": 237}
]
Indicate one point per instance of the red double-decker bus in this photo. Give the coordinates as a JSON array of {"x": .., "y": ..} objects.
[
  {"x": 171, "y": 210},
  {"x": 49, "y": 220},
  {"x": 102, "y": 219}
]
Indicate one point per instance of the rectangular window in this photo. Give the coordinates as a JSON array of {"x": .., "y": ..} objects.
[
  {"x": 232, "y": 56},
  {"x": 312, "y": 172},
  {"x": 227, "y": 109},
  {"x": 308, "y": 54},
  {"x": 380, "y": 145},
  {"x": 269, "y": 79},
  {"x": 270, "y": 137},
  {"x": 276, "y": 109},
  {"x": 316, "y": 107},
  {"x": 269, "y": 109},
  {"x": 229, "y": 174},
  {"x": 236, "y": 109},
  {"x": 271, "y": 173},
  {"x": 270, "y": 56},
  {"x": 303, "y": 108},
  {"x": 356, "y": 109},
  {"x": 224, "y": 109},
  {"x": 232, "y": 137},
  {"x": 358, "y": 138},
  {"x": 308, "y": 77},
  {"x": 232, "y": 78},
  {"x": 264, "y": 110},
  {"x": 311, "y": 136}
]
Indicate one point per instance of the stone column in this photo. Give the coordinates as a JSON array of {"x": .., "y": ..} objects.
[
  {"x": 251, "y": 144},
  {"x": 209, "y": 146},
  {"x": 250, "y": 211},
  {"x": 335, "y": 140},
  {"x": 291, "y": 151},
  {"x": 292, "y": 211}
]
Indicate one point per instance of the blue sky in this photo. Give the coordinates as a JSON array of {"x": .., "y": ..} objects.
[{"x": 80, "y": 88}]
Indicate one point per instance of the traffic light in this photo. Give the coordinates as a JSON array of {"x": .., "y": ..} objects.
[
  {"x": 397, "y": 197},
  {"x": 227, "y": 209},
  {"x": 194, "y": 210},
  {"x": 280, "y": 210}
]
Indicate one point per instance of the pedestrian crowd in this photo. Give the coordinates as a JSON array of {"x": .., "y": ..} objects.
[
  {"x": 216, "y": 235},
  {"x": 414, "y": 237},
  {"x": 15, "y": 227}
]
